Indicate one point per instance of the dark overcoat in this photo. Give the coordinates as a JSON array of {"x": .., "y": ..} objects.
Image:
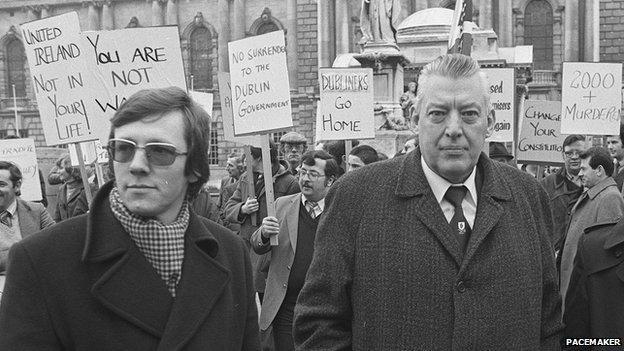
[
  {"x": 84, "y": 285},
  {"x": 387, "y": 273},
  {"x": 595, "y": 299}
]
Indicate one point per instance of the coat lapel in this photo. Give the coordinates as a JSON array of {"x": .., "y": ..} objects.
[
  {"x": 292, "y": 220},
  {"x": 123, "y": 280},
  {"x": 413, "y": 183},
  {"x": 203, "y": 281},
  {"x": 28, "y": 221}
]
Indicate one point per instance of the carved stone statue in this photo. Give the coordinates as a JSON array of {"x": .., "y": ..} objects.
[
  {"x": 379, "y": 19},
  {"x": 407, "y": 101}
]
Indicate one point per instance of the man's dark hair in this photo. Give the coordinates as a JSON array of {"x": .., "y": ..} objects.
[
  {"x": 622, "y": 133},
  {"x": 336, "y": 148},
  {"x": 599, "y": 157},
  {"x": 331, "y": 166},
  {"x": 15, "y": 174},
  {"x": 73, "y": 171},
  {"x": 157, "y": 102},
  {"x": 256, "y": 152},
  {"x": 572, "y": 138},
  {"x": 365, "y": 153}
]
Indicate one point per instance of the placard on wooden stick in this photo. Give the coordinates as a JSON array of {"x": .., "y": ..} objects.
[
  {"x": 22, "y": 153},
  {"x": 540, "y": 139},
  {"x": 225, "y": 97},
  {"x": 591, "y": 98},
  {"x": 502, "y": 87}
]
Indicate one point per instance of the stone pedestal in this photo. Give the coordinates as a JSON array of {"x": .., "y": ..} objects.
[{"x": 387, "y": 68}]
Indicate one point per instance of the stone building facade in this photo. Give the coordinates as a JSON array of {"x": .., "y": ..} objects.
[{"x": 317, "y": 32}]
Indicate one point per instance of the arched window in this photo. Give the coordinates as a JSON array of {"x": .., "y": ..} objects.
[
  {"x": 15, "y": 67},
  {"x": 265, "y": 23},
  {"x": 267, "y": 27},
  {"x": 200, "y": 61},
  {"x": 538, "y": 31}
]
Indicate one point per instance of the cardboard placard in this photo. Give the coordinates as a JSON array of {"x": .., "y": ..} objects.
[
  {"x": 132, "y": 59},
  {"x": 591, "y": 98},
  {"x": 63, "y": 80},
  {"x": 260, "y": 89},
  {"x": 225, "y": 97},
  {"x": 22, "y": 153},
  {"x": 205, "y": 100},
  {"x": 346, "y": 107},
  {"x": 540, "y": 139},
  {"x": 502, "y": 96},
  {"x": 92, "y": 151}
]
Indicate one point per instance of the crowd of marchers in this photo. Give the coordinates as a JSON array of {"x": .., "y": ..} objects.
[{"x": 439, "y": 246}]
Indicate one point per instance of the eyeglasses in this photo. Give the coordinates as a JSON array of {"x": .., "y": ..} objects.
[
  {"x": 313, "y": 175},
  {"x": 571, "y": 153},
  {"x": 291, "y": 147},
  {"x": 158, "y": 154}
]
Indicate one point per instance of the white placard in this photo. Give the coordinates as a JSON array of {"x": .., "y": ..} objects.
[
  {"x": 22, "y": 153},
  {"x": 91, "y": 151},
  {"x": 346, "y": 106},
  {"x": 63, "y": 80},
  {"x": 502, "y": 96},
  {"x": 260, "y": 88},
  {"x": 132, "y": 59},
  {"x": 205, "y": 100},
  {"x": 225, "y": 97},
  {"x": 540, "y": 139},
  {"x": 591, "y": 98}
]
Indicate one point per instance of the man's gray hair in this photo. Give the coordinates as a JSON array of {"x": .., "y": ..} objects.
[{"x": 454, "y": 66}]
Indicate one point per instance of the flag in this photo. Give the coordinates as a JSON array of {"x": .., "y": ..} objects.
[{"x": 460, "y": 41}]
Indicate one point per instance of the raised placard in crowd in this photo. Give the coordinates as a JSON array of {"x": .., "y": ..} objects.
[
  {"x": 346, "y": 107},
  {"x": 22, "y": 153},
  {"x": 540, "y": 138},
  {"x": 259, "y": 79},
  {"x": 63, "y": 80},
  {"x": 591, "y": 98},
  {"x": 132, "y": 59},
  {"x": 92, "y": 151},
  {"x": 205, "y": 100},
  {"x": 225, "y": 97},
  {"x": 502, "y": 91}
]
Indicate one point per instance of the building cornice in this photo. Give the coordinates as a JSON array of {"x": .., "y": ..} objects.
[{"x": 19, "y": 4}]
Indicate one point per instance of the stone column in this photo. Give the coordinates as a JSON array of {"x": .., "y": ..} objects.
[
  {"x": 108, "y": 21},
  {"x": 291, "y": 42},
  {"x": 592, "y": 31},
  {"x": 31, "y": 13},
  {"x": 93, "y": 16},
  {"x": 505, "y": 24},
  {"x": 240, "y": 20},
  {"x": 325, "y": 18},
  {"x": 342, "y": 27},
  {"x": 224, "y": 34},
  {"x": 157, "y": 15},
  {"x": 571, "y": 31},
  {"x": 485, "y": 14},
  {"x": 172, "y": 11},
  {"x": 45, "y": 11}
]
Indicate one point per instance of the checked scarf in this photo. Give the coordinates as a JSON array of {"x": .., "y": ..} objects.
[{"x": 162, "y": 245}]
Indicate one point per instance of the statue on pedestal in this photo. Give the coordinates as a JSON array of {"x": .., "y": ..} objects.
[
  {"x": 407, "y": 101},
  {"x": 379, "y": 20}
]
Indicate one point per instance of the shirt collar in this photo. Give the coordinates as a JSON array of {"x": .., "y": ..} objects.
[
  {"x": 12, "y": 207},
  {"x": 439, "y": 185},
  {"x": 320, "y": 203}
]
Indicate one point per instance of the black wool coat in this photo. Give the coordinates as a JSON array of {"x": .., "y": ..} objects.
[{"x": 84, "y": 285}]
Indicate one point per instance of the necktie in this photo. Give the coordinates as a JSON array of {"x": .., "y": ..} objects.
[
  {"x": 455, "y": 195},
  {"x": 5, "y": 218},
  {"x": 311, "y": 207}
]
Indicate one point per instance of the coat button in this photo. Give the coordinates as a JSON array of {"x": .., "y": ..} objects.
[
  {"x": 285, "y": 285},
  {"x": 288, "y": 267},
  {"x": 461, "y": 286}
]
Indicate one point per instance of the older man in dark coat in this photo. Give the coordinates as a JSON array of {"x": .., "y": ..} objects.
[{"x": 402, "y": 262}]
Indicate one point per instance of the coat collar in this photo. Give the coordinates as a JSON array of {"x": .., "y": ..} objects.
[
  {"x": 127, "y": 284},
  {"x": 29, "y": 222},
  {"x": 411, "y": 182},
  {"x": 598, "y": 188},
  {"x": 615, "y": 236}
]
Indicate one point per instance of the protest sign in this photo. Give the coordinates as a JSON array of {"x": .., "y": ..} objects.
[
  {"x": 92, "y": 151},
  {"x": 540, "y": 139},
  {"x": 22, "y": 153},
  {"x": 260, "y": 89},
  {"x": 502, "y": 97},
  {"x": 132, "y": 59},
  {"x": 225, "y": 97},
  {"x": 346, "y": 107},
  {"x": 205, "y": 100},
  {"x": 63, "y": 82},
  {"x": 591, "y": 98}
]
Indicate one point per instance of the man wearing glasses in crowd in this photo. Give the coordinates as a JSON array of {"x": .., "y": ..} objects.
[
  {"x": 564, "y": 187},
  {"x": 141, "y": 270}
]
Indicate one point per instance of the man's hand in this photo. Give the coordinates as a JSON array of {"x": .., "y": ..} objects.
[
  {"x": 250, "y": 206},
  {"x": 270, "y": 227}
]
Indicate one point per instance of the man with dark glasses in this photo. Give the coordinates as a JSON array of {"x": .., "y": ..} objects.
[{"x": 141, "y": 270}]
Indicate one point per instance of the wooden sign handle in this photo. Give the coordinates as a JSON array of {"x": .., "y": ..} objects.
[
  {"x": 251, "y": 189},
  {"x": 268, "y": 181},
  {"x": 83, "y": 174}
]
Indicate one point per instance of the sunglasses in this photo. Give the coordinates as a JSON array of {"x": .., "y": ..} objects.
[{"x": 158, "y": 154}]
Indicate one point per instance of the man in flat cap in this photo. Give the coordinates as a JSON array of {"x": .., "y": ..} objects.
[{"x": 293, "y": 145}]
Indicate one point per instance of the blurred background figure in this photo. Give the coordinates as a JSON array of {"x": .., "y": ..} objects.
[
  {"x": 361, "y": 156},
  {"x": 498, "y": 152},
  {"x": 292, "y": 146},
  {"x": 71, "y": 200}
]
